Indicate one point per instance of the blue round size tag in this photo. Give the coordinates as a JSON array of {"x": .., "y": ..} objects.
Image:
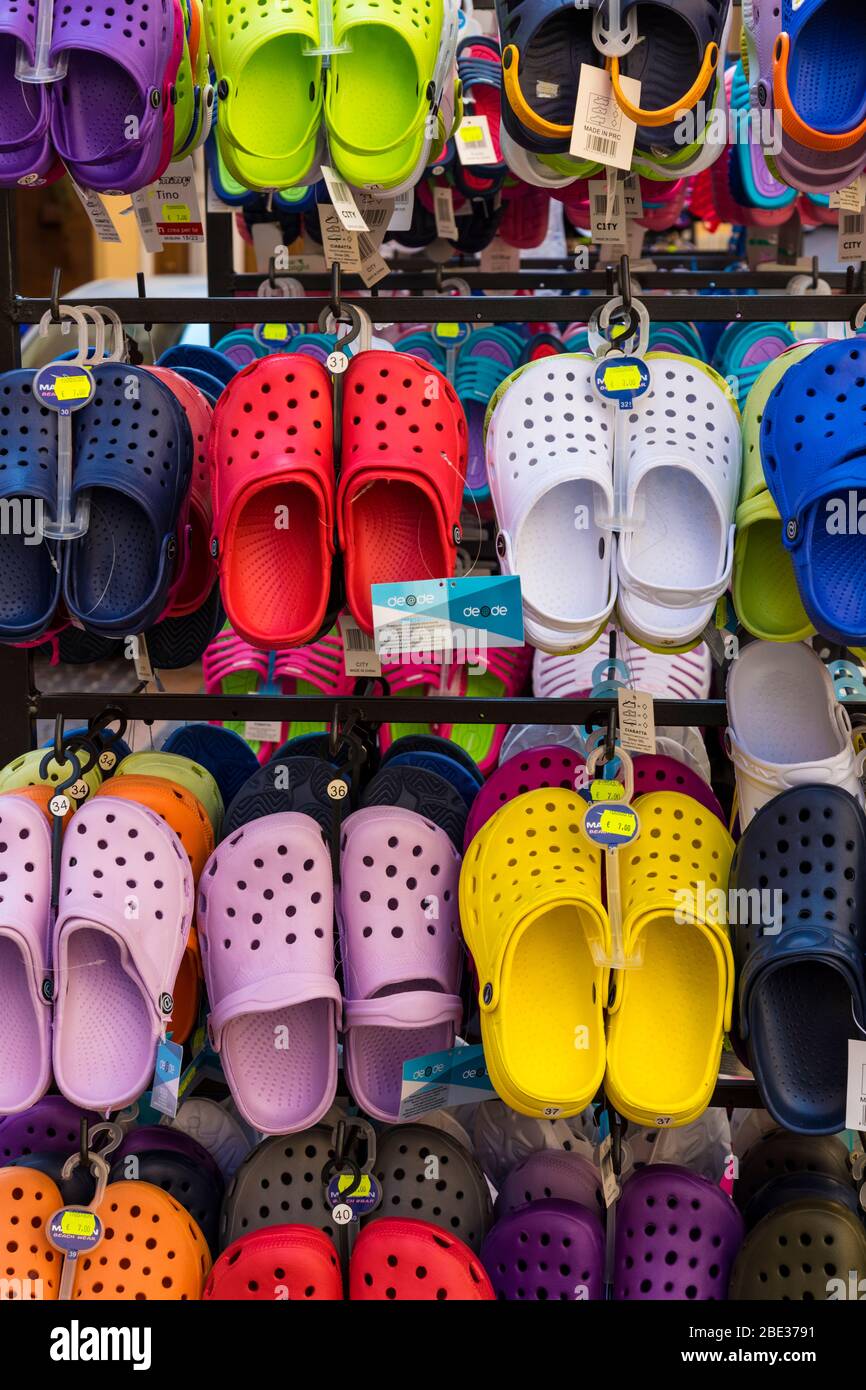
[
  {"x": 451, "y": 335},
  {"x": 63, "y": 386},
  {"x": 610, "y": 824},
  {"x": 362, "y": 1201},
  {"x": 622, "y": 379},
  {"x": 75, "y": 1230}
]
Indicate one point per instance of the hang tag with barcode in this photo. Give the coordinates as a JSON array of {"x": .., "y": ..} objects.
[
  {"x": 855, "y": 1105},
  {"x": 852, "y": 236},
  {"x": 359, "y": 649},
  {"x": 608, "y": 220},
  {"x": 339, "y": 245},
  {"x": 632, "y": 200},
  {"x": 474, "y": 141},
  {"x": 371, "y": 268},
  {"x": 169, "y": 209},
  {"x": 443, "y": 211},
  {"x": 377, "y": 213},
  {"x": 401, "y": 217},
  {"x": 609, "y": 1182},
  {"x": 601, "y": 130},
  {"x": 141, "y": 659},
  {"x": 100, "y": 217},
  {"x": 343, "y": 202}
]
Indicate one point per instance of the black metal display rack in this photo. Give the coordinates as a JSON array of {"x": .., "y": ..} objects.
[{"x": 675, "y": 291}]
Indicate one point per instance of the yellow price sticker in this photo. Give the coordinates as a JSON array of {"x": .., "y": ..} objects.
[
  {"x": 176, "y": 212},
  {"x": 275, "y": 332},
  {"x": 622, "y": 378},
  {"x": 600, "y": 790},
  {"x": 78, "y": 1223},
  {"x": 448, "y": 330},
  {"x": 618, "y": 822},
  {"x": 470, "y": 134},
  {"x": 72, "y": 388},
  {"x": 362, "y": 1190}
]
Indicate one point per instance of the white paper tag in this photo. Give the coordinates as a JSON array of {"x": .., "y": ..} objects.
[
  {"x": 372, "y": 268},
  {"x": 631, "y": 196},
  {"x": 215, "y": 202},
  {"x": 855, "y": 1105},
  {"x": 173, "y": 205},
  {"x": 609, "y": 1181},
  {"x": 601, "y": 130},
  {"x": 267, "y": 236},
  {"x": 636, "y": 721},
  {"x": 146, "y": 219},
  {"x": 443, "y": 211},
  {"x": 852, "y": 197},
  {"x": 376, "y": 212},
  {"x": 608, "y": 220},
  {"x": 338, "y": 244},
  {"x": 474, "y": 141},
  {"x": 263, "y": 730},
  {"x": 852, "y": 236},
  {"x": 141, "y": 659},
  {"x": 500, "y": 258},
  {"x": 404, "y": 206},
  {"x": 344, "y": 203},
  {"x": 359, "y": 649},
  {"x": 100, "y": 217}
]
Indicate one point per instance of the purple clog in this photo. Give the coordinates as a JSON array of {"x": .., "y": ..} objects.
[
  {"x": 677, "y": 1236},
  {"x": 546, "y": 1250}
]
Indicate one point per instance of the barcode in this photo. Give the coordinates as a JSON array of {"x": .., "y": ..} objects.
[
  {"x": 340, "y": 190},
  {"x": 599, "y": 205},
  {"x": 601, "y": 144},
  {"x": 365, "y": 246},
  {"x": 356, "y": 640},
  {"x": 144, "y": 216},
  {"x": 853, "y": 224},
  {"x": 377, "y": 216}
]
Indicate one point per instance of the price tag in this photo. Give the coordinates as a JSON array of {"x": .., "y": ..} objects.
[
  {"x": 338, "y": 789},
  {"x": 636, "y": 721},
  {"x": 141, "y": 659},
  {"x": 63, "y": 387},
  {"x": 169, "y": 210},
  {"x": 600, "y": 790},
  {"x": 376, "y": 212},
  {"x": 443, "y": 211},
  {"x": 610, "y": 825},
  {"x": 601, "y": 131},
  {"x": 474, "y": 141},
  {"x": 273, "y": 332},
  {"x": 342, "y": 200}
]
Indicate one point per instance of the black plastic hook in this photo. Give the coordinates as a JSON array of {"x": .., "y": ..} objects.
[
  {"x": 142, "y": 294},
  {"x": 55, "y": 294}
]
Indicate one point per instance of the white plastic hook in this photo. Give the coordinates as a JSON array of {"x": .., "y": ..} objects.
[
  {"x": 612, "y": 37},
  {"x": 92, "y": 359},
  {"x": 68, "y": 311},
  {"x": 118, "y": 340},
  {"x": 326, "y": 46}
]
